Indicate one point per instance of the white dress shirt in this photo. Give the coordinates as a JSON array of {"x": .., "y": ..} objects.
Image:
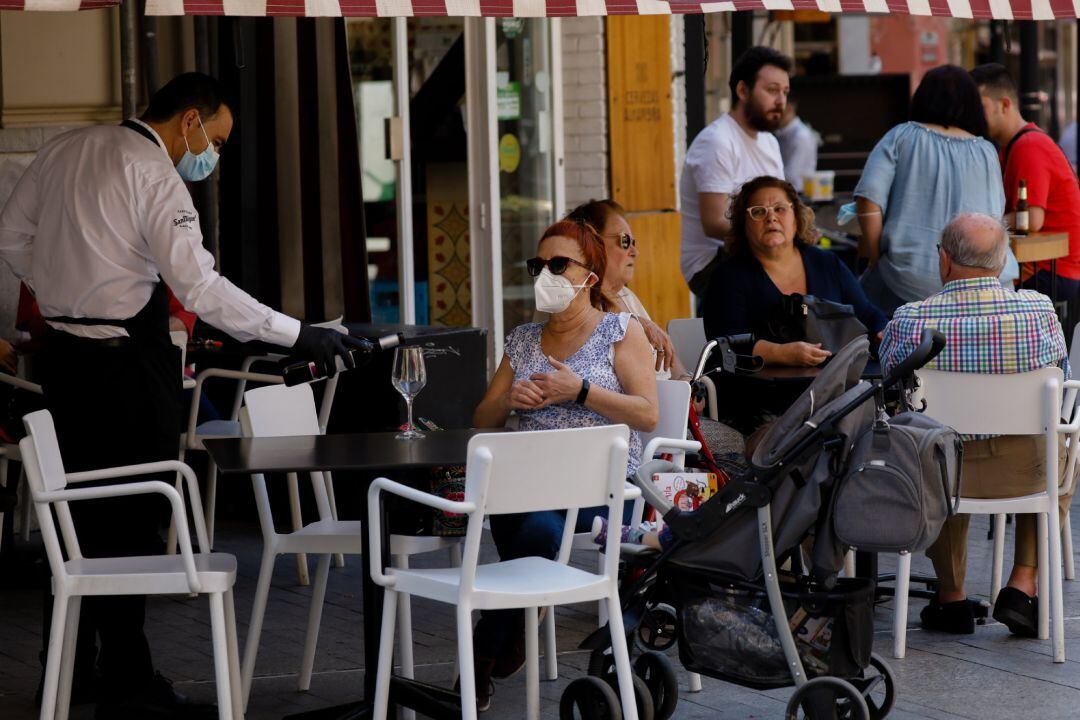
[{"x": 98, "y": 215}]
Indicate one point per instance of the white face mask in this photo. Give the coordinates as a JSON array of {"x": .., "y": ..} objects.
[{"x": 554, "y": 293}]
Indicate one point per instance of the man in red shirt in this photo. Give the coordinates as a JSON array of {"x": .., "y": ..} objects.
[{"x": 1028, "y": 153}]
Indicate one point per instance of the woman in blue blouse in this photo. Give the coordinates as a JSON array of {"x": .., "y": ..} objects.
[
  {"x": 921, "y": 175},
  {"x": 772, "y": 254}
]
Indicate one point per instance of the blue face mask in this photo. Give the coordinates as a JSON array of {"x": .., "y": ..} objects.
[{"x": 194, "y": 168}]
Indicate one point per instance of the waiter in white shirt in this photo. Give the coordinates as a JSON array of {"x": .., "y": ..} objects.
[
  {"x": 734, "y": 148},
  {"x": 96, "y": 225}
]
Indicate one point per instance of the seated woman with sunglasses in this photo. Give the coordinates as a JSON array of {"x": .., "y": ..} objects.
[
  {"x": 771, "y": 254},
  {"x": 584, "y": 367},
  {"x": 609, "y": 218}
]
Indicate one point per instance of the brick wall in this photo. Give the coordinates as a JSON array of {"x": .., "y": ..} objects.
[{"x": 585, "y": 117}]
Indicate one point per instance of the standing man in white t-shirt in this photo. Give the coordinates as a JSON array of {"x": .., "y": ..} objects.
[{"x": 737, "y": 147}]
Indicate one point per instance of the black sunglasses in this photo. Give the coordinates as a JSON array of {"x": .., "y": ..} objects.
[
  {"x": 557, "y": 265},
  {"x": 625, "y": 240}
]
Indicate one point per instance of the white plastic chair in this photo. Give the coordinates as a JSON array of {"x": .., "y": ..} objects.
[
  {"x": 515, "y": 473},
  {"x": 77, "y": 577},
  {"x": 180, "y": 339},
  {"x": 669, "y": 436},
  {"x": 275, "y": 411},
  {"x": 1014, "y": 404},
  {"x": 688, "y": 337},
  {"x": 9, "y": 453}
]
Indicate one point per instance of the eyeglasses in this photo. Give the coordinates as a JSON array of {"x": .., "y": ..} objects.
[
  {"x": 760, "y": 212},
  {"x": 557, "y": 265},
  {"x": 625, "y": 240}
]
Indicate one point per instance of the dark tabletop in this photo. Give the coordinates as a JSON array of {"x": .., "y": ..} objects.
[
  {"x": 780, "y": 374},
  {"x": 351, "y": 451}
]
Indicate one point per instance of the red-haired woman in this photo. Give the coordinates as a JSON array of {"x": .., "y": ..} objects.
[{"x": 584, "y": 367}]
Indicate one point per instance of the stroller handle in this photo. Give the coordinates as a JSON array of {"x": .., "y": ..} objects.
[
  {"x": 931, "y": 343},
  {"x": 729, "y": 345}
]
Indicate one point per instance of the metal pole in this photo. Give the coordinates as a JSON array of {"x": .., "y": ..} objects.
[
  {"x": 695, "y": 59},
  {"x": 148, "y": 30},
  {"x": 206, "y": 191},
  {"x": 1029, "y": 71},
  {"x": 997, "y": 41},
  {"x": 742, "y": 34},
  {"x": 128, "y": 21}
]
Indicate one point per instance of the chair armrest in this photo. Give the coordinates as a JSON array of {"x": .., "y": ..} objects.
[
  {"x": 18, "y": 382},
  {"x": 141, "y": 488},
  {"x": 161, "y": 466},
  {"x": 673, "y": 445},
  {"x": 374, "y": 519},
  {"x": 202, "y": 377}
]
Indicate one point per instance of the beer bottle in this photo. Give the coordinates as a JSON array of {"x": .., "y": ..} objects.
[{"x": 1022, "y": 221}]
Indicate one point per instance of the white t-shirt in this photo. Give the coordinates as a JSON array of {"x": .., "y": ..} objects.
[{"x": 721, "y": 158}]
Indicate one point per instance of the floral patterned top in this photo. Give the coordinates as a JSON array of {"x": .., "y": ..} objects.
[{"x": 595, "y": 361}]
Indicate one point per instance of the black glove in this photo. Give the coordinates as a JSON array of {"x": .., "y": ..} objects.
[{"x": 323, "y": 345}]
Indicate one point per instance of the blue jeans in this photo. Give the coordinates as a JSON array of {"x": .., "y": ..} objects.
[{"x": 521, "y": 535}]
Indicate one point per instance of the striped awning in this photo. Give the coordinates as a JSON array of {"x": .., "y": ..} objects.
[
  {"x": 56, "y": 5},
  {"x": 977, "y": 9}
]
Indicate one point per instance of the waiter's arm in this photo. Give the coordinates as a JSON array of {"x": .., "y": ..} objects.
[
  {"x": 18, "y": 224},
  {"x": 172, "y": 232}
]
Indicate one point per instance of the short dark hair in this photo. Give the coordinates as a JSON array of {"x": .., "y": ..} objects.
[
  {"x": 996, "y": 79},
  {"x": 186, "y": 91},
  {"x": 947, "y": 96},
  {"x": 750, "y": 62}
]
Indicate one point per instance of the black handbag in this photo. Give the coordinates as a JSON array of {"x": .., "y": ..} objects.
[{"x": 814, "y": 320}]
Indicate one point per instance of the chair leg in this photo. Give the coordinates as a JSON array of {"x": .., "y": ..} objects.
[
  {"x": 601, "y": 611},
  {"x": 297, "y": 524},
  {"x": 1067, "y": 548},
  {"x": 339, "y": 558},
  {"x": 551, "y": 659},
  {"x": 234, "y": 656},
  {"x": 622, "y": 657},
  {"x": 849, "y": 564},
  {"x": 1043, "y": 577},
  {"x": 25, "y": 516},
  {"x": 50, "y": 689},
  {"x": 532, "y": 664},
  {"x": 466, "y": 668},
  {"x": 211, "y": 502},
  {"x": 67, "y": 658},
  {"x": 405, "y": 639},
  {"x": 386, "y": 657},
  {"x": 998, "y": 557},
  {"x": 1057, "y": 627},
  {"x": 221, "y": 656},
  {"x": 311, "y": 638},
  {"x": 170, "y": 541},
  {"x": 258, "y": 612},
  {"x": 900, "y": 612},
  {"x": 695, "y": 682}
]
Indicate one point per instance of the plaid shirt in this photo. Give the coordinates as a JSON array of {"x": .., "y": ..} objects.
[{"x": 988, "y": 329}]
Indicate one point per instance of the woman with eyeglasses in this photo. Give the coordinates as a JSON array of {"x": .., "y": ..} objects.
[
  {"x": 588, "y": 365},
  {"x": 771, "y": 253}
]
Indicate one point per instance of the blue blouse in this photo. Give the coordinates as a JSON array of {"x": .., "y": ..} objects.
[
  {"x": 922, "y": 179},
  {"x": 741, "y": 294}
]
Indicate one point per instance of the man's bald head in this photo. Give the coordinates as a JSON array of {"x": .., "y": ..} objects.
[{"x": 973, "y": 245}]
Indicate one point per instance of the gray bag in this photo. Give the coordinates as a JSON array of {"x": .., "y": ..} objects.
[{"x": 902, "y": 481}]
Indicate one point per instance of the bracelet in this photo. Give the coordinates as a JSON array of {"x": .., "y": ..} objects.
[{"x": 584, "y": 392}]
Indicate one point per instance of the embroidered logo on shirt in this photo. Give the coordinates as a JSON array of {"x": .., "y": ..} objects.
[{"x": 185, "y": 219}]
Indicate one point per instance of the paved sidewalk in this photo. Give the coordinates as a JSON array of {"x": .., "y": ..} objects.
[{"x": 985, "y": 676}]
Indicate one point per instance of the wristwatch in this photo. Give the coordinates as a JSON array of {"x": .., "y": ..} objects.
[{"x": 584, "y": 392}]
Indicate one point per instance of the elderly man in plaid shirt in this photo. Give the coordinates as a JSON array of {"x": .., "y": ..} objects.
[{"x": 989, "y": 329}]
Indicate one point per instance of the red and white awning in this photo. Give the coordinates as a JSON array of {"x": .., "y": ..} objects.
[
  {"x": 977, "y": 9},
  {"x": 56, "y": 5}
]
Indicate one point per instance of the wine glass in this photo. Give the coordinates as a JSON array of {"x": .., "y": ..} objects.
[{"x": 409, "y": 379}]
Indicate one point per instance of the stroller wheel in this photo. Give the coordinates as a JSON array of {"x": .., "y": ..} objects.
[
  {"x": 878, "y": 687},
  {"x": 642, "y": 695},
  {"x": 589, "y": 698},
  {"x": 659, "y": 630},
  {"x": 658, "y": 674},
  {"x": 827, "y": 698},
  {"x": 601, "y": 663}
]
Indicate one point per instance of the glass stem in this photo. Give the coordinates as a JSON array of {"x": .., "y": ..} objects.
[{"x": 408, "y": 402}]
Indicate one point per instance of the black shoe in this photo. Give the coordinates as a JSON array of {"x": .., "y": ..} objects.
[
  {"x": 1018, "y": 611},
  {"x": 157, "y": 701},
  {"x": 955, "y": 618}
]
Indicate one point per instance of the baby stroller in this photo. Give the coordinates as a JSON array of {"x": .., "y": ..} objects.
[{"x": 741, "y": 619}]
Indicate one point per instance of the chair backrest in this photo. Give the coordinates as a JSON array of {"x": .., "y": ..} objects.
[
  {"x": 279, "y": 410},
  {"x": 1006, "y": 404},
  {"x": 40, "y": 452},
  {"x": 179, "y": 339},
  {"x": 688, "y": 337},
  {"x": 673, "y": 400},
  {"x": 51, "y": 474},
  {"x": 1074, "y": 351}
]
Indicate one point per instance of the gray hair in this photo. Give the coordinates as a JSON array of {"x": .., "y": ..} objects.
[{"x": 963, "y": 240}]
